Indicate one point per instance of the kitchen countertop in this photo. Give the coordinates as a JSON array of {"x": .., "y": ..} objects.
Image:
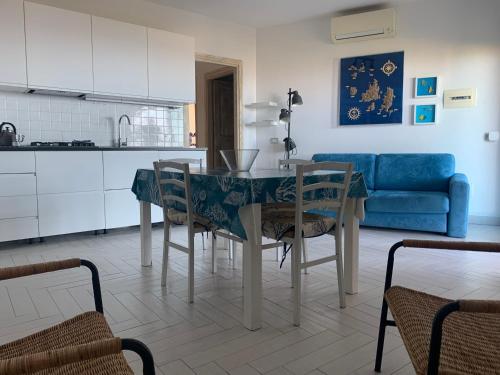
[{"x": 97, "y": 148}]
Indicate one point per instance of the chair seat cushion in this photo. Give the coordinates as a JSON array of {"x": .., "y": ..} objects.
[
  {"x": 278, "y": 221},
  {"x": 200, "y": 222},
  {"x": 418, "y": 202},
  {"x": 471, "y": 341},
  {"x": 81, "y": 329}
]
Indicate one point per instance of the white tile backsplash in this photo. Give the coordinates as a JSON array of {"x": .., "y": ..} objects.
[{"x": 54, "y": 118}]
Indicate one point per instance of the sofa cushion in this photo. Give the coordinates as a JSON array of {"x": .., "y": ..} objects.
[
  {"x": 414, "y": 172},
  {"x": 364, "y": 163},
  {"x": 396, "y": 201},
  {"x": 422, "y": 222}
]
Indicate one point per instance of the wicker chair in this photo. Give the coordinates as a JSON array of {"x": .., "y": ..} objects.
[
  {"x": 81, "y": 345},
  {"x": 442, "y": 336}
]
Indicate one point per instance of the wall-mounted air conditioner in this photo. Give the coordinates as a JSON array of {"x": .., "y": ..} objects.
[{"x": 364, "y": 26}]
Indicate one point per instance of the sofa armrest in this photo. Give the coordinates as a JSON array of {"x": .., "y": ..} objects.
[{"x": 458, "y": 216}]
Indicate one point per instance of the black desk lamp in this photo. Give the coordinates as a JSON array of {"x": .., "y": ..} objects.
[{"x": 286, "y": 117}]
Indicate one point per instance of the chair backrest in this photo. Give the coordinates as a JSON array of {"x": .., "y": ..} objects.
[
  {"x": 165, "y": 186},
  {"x": 294, "y": 162},
  {"x": 335, "y": 201}
]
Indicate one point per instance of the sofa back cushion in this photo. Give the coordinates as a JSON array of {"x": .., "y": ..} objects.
[
  {"x": 414, "y": 172},
  {"x": 364, "y": 163}
]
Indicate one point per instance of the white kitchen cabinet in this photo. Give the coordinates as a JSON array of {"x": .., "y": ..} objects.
[
  {"x": 17, "y": 162},
  {"x": 194, "y": 154},
  {"x": 120, "y": 167},
  {"x": 171, "y": 66},
  {"x": 69, "y": 171},
  {"x": 122, "y": 208},
  {"x": 17, "y": 229},
  {"x": 70, "y": 212},
  {"x": 16, "y": 207},
  {"x": 156, "y": 214},
  {"x": 17, "y": 184},
  {"x": 59, "y": 48},
  {"x": 12, "y": 44},
  {"x": 120, "y": 53},
  {"x": 18, "y": 200}
]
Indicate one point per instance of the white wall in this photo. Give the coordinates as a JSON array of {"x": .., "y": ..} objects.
[
  {"x": 212, "y": 36},
  {"x": 459, "y": 40}
]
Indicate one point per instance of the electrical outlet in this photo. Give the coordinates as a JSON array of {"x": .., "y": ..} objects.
[{"x": 274, "y": 141}]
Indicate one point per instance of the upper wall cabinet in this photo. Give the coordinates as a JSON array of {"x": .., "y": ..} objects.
[
  {"x": 58, "y": 48},
  {"x": 120, "y": 58},
  {"x": 171, "y": 63},
  {"x": 12, "y": 44}
]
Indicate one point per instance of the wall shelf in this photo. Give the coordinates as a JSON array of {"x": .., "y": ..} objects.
[
  {"x": 262, "y": 105},
  {"x": 264, "y": 123}
]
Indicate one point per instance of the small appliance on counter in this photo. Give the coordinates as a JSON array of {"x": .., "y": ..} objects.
[{"x": 8, "y": 135}]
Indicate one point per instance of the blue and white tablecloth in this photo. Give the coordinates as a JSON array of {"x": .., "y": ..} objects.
[{"x": 218, "y": 195}]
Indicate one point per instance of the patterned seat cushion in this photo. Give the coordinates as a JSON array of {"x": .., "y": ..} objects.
[
  {"x": 278, "y": 221},
  {"x": 200, "y": 222}
]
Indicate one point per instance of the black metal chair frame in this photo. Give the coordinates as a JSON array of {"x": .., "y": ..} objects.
[
  {"x": 437, "y": 324},
  {"x": 134, "y": 345}
]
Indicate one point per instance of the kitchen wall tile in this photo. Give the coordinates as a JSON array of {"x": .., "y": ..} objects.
[{"x": 53, "y": 118}]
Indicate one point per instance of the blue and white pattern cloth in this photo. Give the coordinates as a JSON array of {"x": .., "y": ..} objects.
[{"x": 218, "y": 195}]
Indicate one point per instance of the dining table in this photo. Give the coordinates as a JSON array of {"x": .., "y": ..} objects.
[{"x": 232, "y": 201}]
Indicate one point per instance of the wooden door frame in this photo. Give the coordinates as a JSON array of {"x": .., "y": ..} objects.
[{"x": 237, "y": 65}]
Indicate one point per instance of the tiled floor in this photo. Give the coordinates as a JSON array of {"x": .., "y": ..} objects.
[{"x": 207, "y": 337}]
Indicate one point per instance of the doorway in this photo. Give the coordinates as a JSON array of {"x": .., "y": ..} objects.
[{"x": 218, "y": 107}]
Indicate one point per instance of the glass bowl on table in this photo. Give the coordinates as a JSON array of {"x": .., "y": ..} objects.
[{"x": 240, "y": 160}]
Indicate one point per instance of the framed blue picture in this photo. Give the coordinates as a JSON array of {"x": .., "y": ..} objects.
[
  {"x": 424, "y": 114},
  {"x": 426, "y": 87},
  {"x": 371, "y": 89}
]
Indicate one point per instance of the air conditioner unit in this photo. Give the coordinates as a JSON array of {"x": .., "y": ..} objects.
[{"x": 364, "y": 26}]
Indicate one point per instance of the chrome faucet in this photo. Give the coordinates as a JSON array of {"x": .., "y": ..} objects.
[{"x": 120, "y": 143}]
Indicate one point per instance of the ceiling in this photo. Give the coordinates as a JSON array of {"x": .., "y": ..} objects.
[{"x": 265, "y": 13}]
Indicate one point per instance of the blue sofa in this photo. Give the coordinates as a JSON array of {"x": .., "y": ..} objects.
[{"x": 412, "y": 191}]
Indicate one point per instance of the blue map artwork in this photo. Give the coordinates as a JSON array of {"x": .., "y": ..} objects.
[{"x": 371, "y": 89}]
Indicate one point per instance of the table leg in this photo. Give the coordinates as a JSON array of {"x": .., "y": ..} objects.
[
  {"x": 351, "y": 247},
  {"x": 146, "y": 241},
  {"x": 250, "y": 217}
]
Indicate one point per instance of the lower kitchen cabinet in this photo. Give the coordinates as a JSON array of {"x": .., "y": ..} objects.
[
  {"x": 48, "y": 193},
  {"x": 18, "y": 207},
  {"x": 120, "y": 167},
  {"x": 192, "y": 154},
  {"x": 16, "y": 184},
  {"x": 122, "y": 209},
  {"x": 70, "y": 213},
  {"x": 18, "y": 229},
  {"x": 17, "y": 162},
  {"x": 69, "y": 171}
]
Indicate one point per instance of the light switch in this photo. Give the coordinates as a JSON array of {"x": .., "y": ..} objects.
[
  {"x": 493, "y": 136},
  {"x": 460, "y": 98},
  {"x": 275, "y": 141}
]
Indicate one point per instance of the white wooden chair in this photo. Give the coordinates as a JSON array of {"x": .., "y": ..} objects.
[
  {"x": 198, "y": 163},
  {"x": 234, "y": 239},
  {"x": 282, "y": 224},
  {"x": 195, "y": 223},
  {"x": 287, "y": 163}
]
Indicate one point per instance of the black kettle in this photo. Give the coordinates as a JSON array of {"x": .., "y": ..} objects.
[{"x": 8, "y": 134}]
